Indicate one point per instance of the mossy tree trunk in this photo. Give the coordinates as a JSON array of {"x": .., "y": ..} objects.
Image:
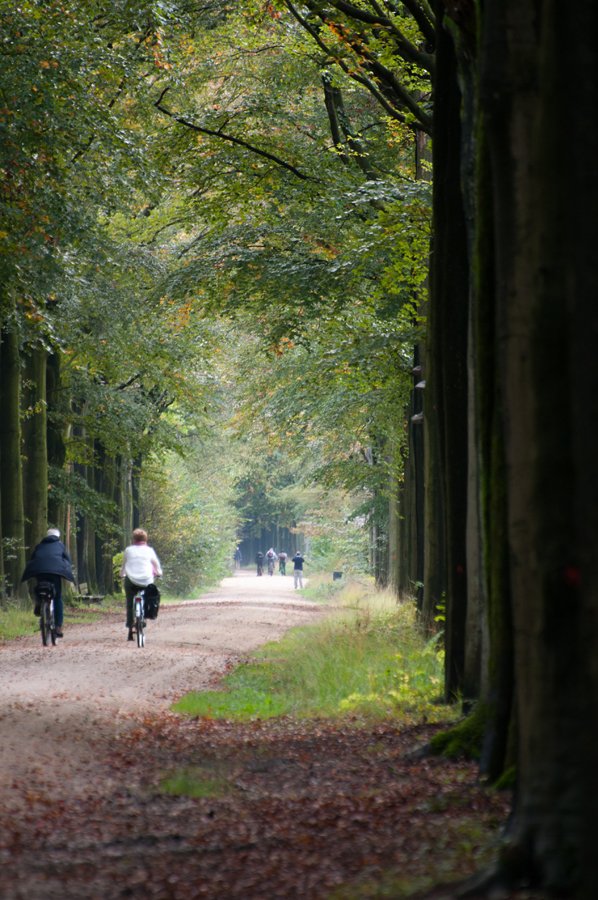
[{"x": 11, "y": 472}]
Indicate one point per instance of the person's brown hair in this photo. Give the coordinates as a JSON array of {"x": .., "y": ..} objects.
[{"x": 139, "y": 536}]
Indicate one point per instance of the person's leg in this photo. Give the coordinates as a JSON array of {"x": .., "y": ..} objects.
[
  {"x": 58, "y": 603},
  {"x": 56, "y": 581},
  {"x": 36, "y": 604},
  {"x": 296, "y": 574},
  {"x": 129, "y": 594}
]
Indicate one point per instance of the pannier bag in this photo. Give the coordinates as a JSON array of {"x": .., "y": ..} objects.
[
  {"x": 151, "y": 598},
  {"x": 44, "y": 590}
]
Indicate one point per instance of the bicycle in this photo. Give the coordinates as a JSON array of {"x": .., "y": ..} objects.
[
  {"x": 44, "y": 592},
  {"x": 139, "y": 617}
]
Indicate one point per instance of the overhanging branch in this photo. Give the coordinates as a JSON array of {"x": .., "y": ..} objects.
[{"x": 230, "y": 138}]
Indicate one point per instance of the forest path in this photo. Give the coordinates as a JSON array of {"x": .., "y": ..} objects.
[
  {"x": 59, "y": 706},
  {"x": 287, "y": 808}
]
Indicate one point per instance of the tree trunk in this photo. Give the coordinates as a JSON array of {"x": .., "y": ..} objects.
[
  {"x": 434, "y": 576},
  {"x": 546, "y": 284},
  {"x": 106, "y": 540},
  {"x": 136, "y": 490},
  {"x": 448, "y": 329},
  {"x": 56, "y": 443},
  {"x": 35, "y": 474},
  {"x": 11, "y": 473},
  {"x": 407, "y": 551}
]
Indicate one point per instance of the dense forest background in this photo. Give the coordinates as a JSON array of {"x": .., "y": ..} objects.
[{"x": 302, "y": 272}]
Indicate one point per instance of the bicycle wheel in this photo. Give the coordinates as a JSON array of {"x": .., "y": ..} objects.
[
  {"x": 52, "y": 624},
  {"x": 45, "y": 631},
  {"x": 139, "y": 622},
  {"x": 46, "y": 623}
]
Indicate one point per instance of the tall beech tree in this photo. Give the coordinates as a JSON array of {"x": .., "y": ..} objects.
[{"x": 536, "y": 313}]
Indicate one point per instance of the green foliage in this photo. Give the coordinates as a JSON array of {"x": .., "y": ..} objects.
[{"x": 187, "y": 509}]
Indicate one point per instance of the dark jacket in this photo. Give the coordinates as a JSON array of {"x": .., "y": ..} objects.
[{"x": 50, "y": 557}]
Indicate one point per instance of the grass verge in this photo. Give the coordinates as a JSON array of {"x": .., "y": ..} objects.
[
  {"x": 367, "y": 659},
  {"x": 17, "y": 620}
]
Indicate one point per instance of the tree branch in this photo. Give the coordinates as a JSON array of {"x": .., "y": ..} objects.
[
  {"x": 407, "y": 50},
  {"x": 239, "y": 142},
  {"x": 404, "y": 100}
]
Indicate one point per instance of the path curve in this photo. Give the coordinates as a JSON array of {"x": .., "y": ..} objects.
[{"x": 61, "y": 707}]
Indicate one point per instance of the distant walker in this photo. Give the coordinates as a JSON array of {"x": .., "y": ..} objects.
[{"x": 298, "y": 561}]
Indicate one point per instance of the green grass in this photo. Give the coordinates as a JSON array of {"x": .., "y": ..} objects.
[
  {"x": 365, "y": 660},
  {"x": 17, "y": 620},
  {"x": 195, "y": 783}
]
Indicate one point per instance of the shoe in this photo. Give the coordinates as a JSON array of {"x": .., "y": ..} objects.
[
  {"x": 130, "y": 636},
  {"x": 58, "y": 632}
]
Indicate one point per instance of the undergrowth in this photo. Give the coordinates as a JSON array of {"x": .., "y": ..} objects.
[{"x": 367, "y": 659}]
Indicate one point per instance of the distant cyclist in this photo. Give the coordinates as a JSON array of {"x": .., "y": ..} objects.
[
  {"x": 282, "y": 562},
  {"x": 50, "y": 561},
  {"x": 259, "y": 561},
  {"x": 140, "y": 567},
  {"x": 271, "y": 557}
]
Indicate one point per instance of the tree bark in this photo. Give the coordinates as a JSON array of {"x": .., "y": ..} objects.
[
  {"x": 11, "y": 473},
  {"x": 135, "y": 490},
  {"x": 35, "y": 446},
  {"x": 546, "y": 283},
  {"x": 448, "y": 328},
  {"x": 56, "y": 441}
]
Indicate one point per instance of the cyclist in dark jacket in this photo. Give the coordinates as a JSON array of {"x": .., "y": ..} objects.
[{"x": 50, "y": 561}]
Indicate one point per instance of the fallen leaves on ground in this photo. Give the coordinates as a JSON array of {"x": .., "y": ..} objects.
[{"x": 284, "y": 809}]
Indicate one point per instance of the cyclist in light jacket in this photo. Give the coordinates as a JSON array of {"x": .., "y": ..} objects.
[{"x": 140, "y": 567}]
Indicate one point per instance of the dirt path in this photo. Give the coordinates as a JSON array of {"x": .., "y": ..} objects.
[
  {"x": 64, "y": 703},
  {"x": 295, "y": 809}
]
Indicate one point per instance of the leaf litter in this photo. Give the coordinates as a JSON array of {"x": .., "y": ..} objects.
[{"x": 285, "y": 808}]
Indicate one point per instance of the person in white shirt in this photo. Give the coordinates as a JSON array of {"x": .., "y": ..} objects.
[{"x": 140, "y": 567}]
